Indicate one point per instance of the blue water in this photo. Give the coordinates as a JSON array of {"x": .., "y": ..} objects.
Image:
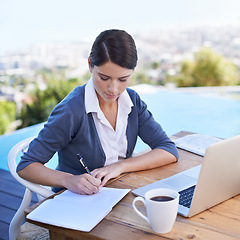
[
  {"x": 212, "y": 115},
  {"x": 204, "y": 114},
  {"x": 9, "y": 140}
]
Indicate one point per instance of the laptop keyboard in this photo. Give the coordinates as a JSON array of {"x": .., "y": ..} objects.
[{"x": 186, "y": 196}]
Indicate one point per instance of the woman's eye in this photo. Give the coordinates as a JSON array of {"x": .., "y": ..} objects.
[
  {"x": 104, "y": 78},
  {"x": 123, "y": 80}
]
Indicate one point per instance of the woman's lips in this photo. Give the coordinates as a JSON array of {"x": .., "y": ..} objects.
[{"x": 111, "y": 96}]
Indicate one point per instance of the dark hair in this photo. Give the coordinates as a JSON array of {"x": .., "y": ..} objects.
[{"x": 116, "y": 46}]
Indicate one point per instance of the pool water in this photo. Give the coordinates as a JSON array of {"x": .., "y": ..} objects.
[
  {"x": 207, "y": 114},
  {"x": 175, "y": 111},
  {"x": 9, "y": 140}
]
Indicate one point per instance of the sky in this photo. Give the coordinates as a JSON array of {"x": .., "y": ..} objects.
[{"x": 26, "y": 22}]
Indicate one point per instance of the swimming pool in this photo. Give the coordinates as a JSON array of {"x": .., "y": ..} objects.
[{"x": 209, "y": 114}]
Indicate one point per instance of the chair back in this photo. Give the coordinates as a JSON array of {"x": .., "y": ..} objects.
[
  {"x": 16, "y": 222},
  {"x": 12, "y": 166}
]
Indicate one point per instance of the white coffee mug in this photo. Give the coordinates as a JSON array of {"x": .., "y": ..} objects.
[{"x": 161, "y": 214}]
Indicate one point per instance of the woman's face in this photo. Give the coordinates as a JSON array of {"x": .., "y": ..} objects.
[{"x": 110, "y": 80}]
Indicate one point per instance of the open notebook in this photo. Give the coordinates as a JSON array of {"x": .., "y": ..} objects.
[
  {"x": 196, "y": 143},
  {"x": 75, "y": 211}
]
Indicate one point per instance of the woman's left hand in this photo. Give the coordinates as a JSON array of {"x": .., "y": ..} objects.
[
  {"x": 107, "y": 172},
  {"x": 152, "y": 159}
]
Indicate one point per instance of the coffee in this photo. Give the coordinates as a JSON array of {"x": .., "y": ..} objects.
[
  {"x": 161, "y": 198},
  {"x": 162, "y": 206}
]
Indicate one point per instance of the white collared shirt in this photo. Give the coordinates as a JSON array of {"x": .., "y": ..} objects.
[{"x": 114, "y": 142}]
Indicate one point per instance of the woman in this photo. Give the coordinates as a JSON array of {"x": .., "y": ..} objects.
[{"x": 101, "y": 121}]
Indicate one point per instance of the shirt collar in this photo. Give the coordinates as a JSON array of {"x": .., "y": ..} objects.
[
  {"x": 91, "y": 100},
  {"x": 125, "y": 102}
]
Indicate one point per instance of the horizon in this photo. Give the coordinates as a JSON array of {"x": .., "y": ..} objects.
[{"x": 25, "y": 23}]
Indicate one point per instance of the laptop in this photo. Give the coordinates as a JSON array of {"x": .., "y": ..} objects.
[{"x": 206, "y": 185}]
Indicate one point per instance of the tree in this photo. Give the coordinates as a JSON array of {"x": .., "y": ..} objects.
[
  {"x": 7, "y": 115},
  {"x": 43, "y": 101},
  {"x": 207, "y": 69},
  {"x": 139, "y": 77}
]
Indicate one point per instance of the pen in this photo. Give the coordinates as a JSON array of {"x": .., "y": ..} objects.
[{"x": 83, "y": 164}]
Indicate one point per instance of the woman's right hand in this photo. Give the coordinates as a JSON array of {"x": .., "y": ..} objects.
[
  {"x": 82, "y": 184},
  {"x": 40, "y": 174}
]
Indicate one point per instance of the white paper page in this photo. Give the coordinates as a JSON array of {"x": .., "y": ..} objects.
[
  {"x": 107, "y": 196},
  {"x": 196, "y": 143},
  {"x": 79, "y": 212},
  {"x": 63, "y": 214}
]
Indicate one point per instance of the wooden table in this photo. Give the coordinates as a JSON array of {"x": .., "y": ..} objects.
[{"x": 221, "y": 222}]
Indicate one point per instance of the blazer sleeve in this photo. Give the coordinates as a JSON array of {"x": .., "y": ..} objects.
[{"x": 55, "y": 134}]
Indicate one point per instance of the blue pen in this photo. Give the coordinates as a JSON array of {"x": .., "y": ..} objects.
[{"x": 83, "y": 163}]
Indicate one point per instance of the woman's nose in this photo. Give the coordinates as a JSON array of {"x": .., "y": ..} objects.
[{"x": 113, "y": 86}]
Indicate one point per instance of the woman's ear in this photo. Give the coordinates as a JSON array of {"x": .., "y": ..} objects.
[{"x": 89, "y": 65}]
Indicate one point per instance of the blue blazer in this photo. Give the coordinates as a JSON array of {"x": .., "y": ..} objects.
[{"x": 70, "y": 130}]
